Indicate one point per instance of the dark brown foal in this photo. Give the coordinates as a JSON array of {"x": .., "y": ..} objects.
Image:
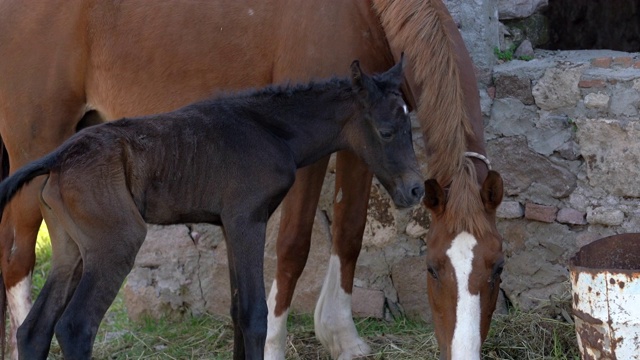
[{"x": 227, "y": 161}]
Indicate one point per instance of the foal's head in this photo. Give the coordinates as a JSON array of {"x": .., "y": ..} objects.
[
  {"x": 381, "y": 133},
  {"x": 464, "y": 261}
]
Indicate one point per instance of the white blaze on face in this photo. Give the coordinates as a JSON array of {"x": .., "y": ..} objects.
[
  {"x": 466, "y": 335},
  {"x": 276, "y": 344}
]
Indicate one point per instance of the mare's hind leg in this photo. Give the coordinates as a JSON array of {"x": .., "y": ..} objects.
[
  {"x": 294, "y": 238},
  {"x": 18, "y": 232},
  {"x": 32, "y": 125},
  {"x": 245, "y": 249},
  {"x": 333, "y": 319},
  {"x": 36, "y": 332}
]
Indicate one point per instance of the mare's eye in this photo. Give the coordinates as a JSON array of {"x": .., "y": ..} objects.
[
  {"x": 497, "y": 268},
  {"x": 386, "y": 134},
  {"x": 497, "y": 271},
  {"x": 432, "y": 272}
]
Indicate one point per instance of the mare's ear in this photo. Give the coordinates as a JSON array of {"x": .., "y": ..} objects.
[
  {"x": 434, "y": 198},
  {"x": 492, "y": 191},
  {"x": 393, "y": 77}
]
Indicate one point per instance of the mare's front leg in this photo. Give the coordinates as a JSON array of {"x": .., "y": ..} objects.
[
  {"x": 334, "y": 324},
  {"x": 294, "y": 239},
  {"x": 245, "y": 248}
]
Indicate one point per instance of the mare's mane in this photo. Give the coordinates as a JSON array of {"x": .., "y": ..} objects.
[{"x": 418, "y": 25}]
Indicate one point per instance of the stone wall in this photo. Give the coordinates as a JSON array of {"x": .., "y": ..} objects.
[{"x": 562, "y": 129}]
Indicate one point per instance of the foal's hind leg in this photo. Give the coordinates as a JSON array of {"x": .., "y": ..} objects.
[
  {"x": 36, "y": 332},
  {"x": 294, "y": 238},
  {"x": 333, "y": 318},
  {"x": 109, "y": 234}
]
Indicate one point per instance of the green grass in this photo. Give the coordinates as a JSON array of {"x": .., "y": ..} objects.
[
  {"x": 508, "y": 54},
  {"x": 517, "y": 335}
]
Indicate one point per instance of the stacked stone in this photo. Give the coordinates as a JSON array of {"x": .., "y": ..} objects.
[{"x": 563, "y": 130}]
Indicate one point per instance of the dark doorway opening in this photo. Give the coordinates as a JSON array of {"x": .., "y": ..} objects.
[{"x": 593, "y": 24}]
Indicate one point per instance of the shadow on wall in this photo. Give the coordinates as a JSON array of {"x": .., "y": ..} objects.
[{"x": 593, "y": 24}]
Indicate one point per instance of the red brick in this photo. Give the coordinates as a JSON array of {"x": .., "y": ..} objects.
[
  {"x": 623, "y": 61},
  {"x": 636, "y": 65},
  {"x": 538, "y": 212},
  {"x": 602, "y": 62},
  {"x": 596, "y": 83}
]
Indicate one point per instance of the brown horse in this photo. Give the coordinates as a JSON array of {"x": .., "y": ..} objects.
[
  {"x": 228, "y": 161},
  {"x": 67, "y": 64}
]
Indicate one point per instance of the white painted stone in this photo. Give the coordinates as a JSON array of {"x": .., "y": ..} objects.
[
  {"x": 597, "y": 101},
  {"x": 558, "y": 87},
  {"x": 605, "y": 216}
]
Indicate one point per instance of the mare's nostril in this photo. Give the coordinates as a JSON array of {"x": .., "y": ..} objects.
[{"x": 417, "y": 191}]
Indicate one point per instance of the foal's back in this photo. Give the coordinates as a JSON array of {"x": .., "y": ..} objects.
[{"x": 183, "y": 166}]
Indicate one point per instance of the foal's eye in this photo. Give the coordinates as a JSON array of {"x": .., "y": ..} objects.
[
  {"x": 405, "y": 109},
  {"x": 386, "y": 134}
]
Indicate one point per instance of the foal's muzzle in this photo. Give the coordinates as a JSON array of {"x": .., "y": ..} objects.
[{"x": 409, "y": 190}]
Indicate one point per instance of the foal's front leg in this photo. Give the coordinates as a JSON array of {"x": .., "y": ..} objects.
[{"x": 245, "y": 249}]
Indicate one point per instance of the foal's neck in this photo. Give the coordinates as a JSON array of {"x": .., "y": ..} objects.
[{"x": 309, "y": 119}]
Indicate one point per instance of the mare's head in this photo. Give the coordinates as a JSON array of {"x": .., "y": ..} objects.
[
  {"x": 380, "y": 133},
  {"x": 464, "y": 261}
]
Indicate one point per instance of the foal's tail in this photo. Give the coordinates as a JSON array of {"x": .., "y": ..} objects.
[{"x": 9, "y": 187}]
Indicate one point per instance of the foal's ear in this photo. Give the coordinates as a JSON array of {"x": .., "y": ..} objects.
[
  {"x": 358, "y": 78},
  {"x": 492, "y": 191},
  {"x": 434, "y": 198},
  {"x": 360, "y": 81}
]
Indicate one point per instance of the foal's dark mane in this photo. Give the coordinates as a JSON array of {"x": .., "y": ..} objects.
[{"x": 341, "y": 85}]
